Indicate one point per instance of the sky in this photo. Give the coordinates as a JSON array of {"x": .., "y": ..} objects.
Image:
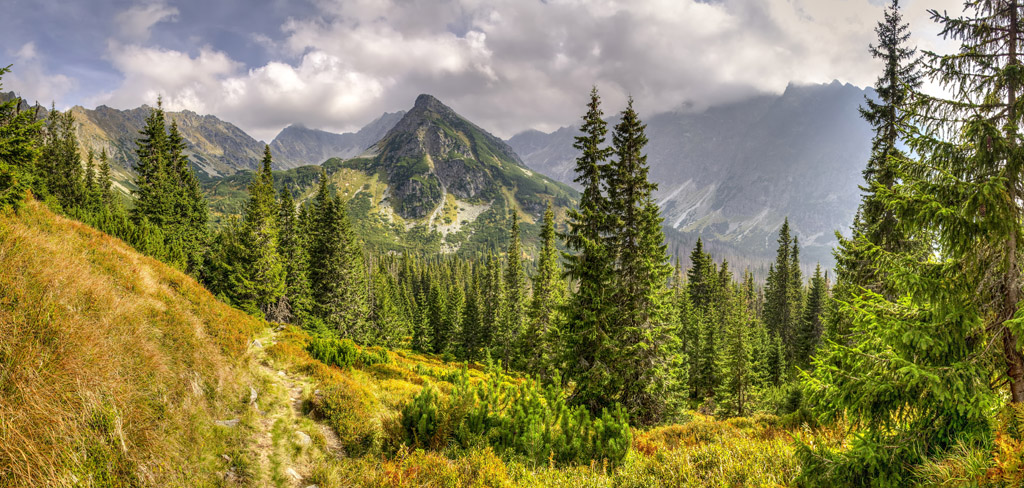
[{"x": 507, "y": 65}]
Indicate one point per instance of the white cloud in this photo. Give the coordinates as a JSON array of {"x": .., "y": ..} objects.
[
  {"x": 135, "y": 23},
  {"x": 510, "y": 64},
  {"x": 29, "y": 77}
]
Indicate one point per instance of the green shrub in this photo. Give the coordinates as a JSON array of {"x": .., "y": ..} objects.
[
  {"x": 524, "y": 420},
  {"x": 420, "y": 419},
  {"x": 333, "y": 352},
  {"x": 372, "y": 356}
]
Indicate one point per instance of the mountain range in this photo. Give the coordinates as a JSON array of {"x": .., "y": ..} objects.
[
  {"x": 732, "y": 173},
  {"x": 729, "y": 174}
]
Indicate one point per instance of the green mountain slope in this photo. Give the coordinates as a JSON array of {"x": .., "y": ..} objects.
[{"x": 436, "y": 182}]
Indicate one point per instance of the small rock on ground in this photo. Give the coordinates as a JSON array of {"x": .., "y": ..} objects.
[
  {"x": 304, "y": 439},
  {"x": 293, "y": 474},
  {"x": 226, "y": 423}
]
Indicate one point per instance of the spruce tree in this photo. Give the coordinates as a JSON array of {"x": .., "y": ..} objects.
[
  {"x": 472, "y": 316},
  {"x": 513, "y": 316},
  {"x": 810, "y": 328},
  {"x": 292, "y": 249},
  {"x": 926, "y": 350},
  {"x": 548, "y": 295},
  {"x": 61, "y": 162},
  {"x": 643, "y": 327},
  {"x": 337, "y": 275},
  {"x": 19, "y": 148},
  {"x": 188, "y": 220},
  {"x": 261, "y": 234},
  {"x": 735, "y": 360},
  {"x": 104, "y": 182},
  {"x": 780, "y": 307},
  {"x": 587, "y": 350},
  {"x": 152, "y": 201}
]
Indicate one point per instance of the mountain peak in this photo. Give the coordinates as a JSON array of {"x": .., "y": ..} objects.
[{"x": 428, "y": 103}]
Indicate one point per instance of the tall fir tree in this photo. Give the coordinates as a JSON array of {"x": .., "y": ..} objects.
[
  {"x": 261, "y": 235},
  {"x": 809, "y": 332},
  {"x": 19, "y": 149},
  {"x": 61, "y": 161},
  {"x": 538, "y": 345},
  {"x": 337, "y": 274},
  {"x": 513, "y": 316},
  {"x": 292, "y": 249},
  {"x": 948, "y": 322},
  {"x": 587, "y": 350},
  {"x": 643, "y": 327}
]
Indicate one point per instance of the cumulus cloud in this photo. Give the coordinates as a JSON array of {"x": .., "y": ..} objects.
[
  {"x": 135, "y": 23},
  {"x": 30, "y": 78},
  {"x": 514, "y": 64}
]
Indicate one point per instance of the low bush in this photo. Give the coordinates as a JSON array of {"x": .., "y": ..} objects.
[
  {"x": 525, "y": 421},
  {"x": 333, "y": 352}
]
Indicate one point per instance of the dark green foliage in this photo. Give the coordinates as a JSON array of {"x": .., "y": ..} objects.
[
  {"x": 420, "y": 418},
  {"x": 168, "y": 193},
  {"x": 18, "y": 150},
  {"x": 264, "y": 281},
  {"x": 59, "y": 160},
  {"x": 336, "y": 269},
  {"x": 293, "y": 243},
  {"x": 525, "y": 420},
  {"x": 513, "y": 311},
  {"x": 809, "y": 333},
  {"x": 539, "y": 341},
  {"x": 333, "y": 352}
]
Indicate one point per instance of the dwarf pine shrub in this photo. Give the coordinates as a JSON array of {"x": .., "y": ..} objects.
[{"x": 524, "y": 420}]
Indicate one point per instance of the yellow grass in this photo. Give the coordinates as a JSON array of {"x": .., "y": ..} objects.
[{"x": 112, "y": 364}]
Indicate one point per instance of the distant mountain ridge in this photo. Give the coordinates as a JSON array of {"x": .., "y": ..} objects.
[
  {"x": 217, "y": 148},
  {"x": 731, "y": 173},
  {"x": 300, "y": 145}
]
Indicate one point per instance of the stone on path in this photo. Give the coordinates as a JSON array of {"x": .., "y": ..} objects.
[{"x": 304, "y": 439}]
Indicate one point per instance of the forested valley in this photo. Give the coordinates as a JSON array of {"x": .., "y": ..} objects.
[{"x": 599, "y": 360}]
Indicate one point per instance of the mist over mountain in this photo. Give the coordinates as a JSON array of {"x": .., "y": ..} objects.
[{"x": 732, "y": 173}]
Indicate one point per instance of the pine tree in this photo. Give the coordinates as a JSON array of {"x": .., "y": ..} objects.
[
  {"x": 19, "y": 133},
  {"x": 494, "y": 300},
  {"x": 781, "y": 307},
  {"x": 188, "y": 220},
  {"x": 809, "y": 332},
  {"x": 292, "y": 244},
  {"x": 91, "y": 202},
  {"x": 337, "y": 275},
  {"x": 701, "y": 277},
  {"x": 104, "y": 182},
  {"x": 735, "y": 360},
  {"x": 152, "y": 179},
  {"x": 586, "y": 350},
  {"x": 922, "y": 351},
  {"x": 260, "y": 230},
  {"x": 548, "y": 295},
  {"x": 642, "y": 318},
  {"x": 472, "y": 321},
  {"x": 510, "y": 325},
  {"x": 61, "y": 162}
]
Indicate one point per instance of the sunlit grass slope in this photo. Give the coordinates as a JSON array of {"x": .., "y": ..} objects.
[{"x": 112, "y": 365}]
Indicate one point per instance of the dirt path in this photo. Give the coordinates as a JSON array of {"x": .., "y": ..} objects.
[{"x": 286, "y": 442}]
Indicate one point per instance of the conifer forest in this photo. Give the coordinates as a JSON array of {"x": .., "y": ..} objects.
[{"x": 432, "y": 309}]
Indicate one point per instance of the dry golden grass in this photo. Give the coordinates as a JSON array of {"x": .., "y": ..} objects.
[{"x": 112, "y": 364}]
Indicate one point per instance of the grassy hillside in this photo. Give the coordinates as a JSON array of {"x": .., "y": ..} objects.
[
  {"x": 121, "y": 371},
  {"x": 114, "y": 364}
]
